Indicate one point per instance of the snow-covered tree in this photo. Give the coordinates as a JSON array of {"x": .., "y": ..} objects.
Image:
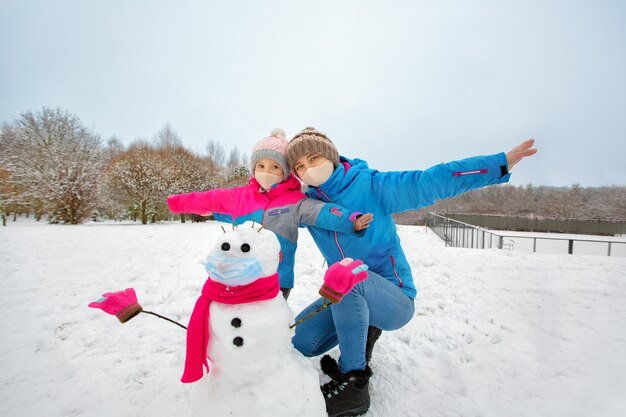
[
  {"x": 238, "y": 176},
  {"x": 7, "y": 193},
  {"x": 143, "y": 176},
  {"x": 617, "y": 202},
  {"x": 187, "y": 172},
  {"x": 55, "y": 160},
  {"x": 134, "y": 180}
]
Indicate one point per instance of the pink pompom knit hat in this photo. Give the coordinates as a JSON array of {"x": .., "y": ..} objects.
[{"x": 273, "y": 147}]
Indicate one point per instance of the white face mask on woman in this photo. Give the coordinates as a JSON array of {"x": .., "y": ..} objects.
[
  {"x": 266, "y": 179},
  {"x": 318, "y": 175}
]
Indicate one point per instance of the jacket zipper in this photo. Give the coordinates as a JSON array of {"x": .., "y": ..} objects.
[
  {"x": 393, "y": 264},
  {"x": 319, "y": 194}
]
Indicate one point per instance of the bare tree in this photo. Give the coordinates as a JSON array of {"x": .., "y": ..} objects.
[
  {"x": 167, "y": 137},
  {"x": 234, "y": 159},
  {"x": 112, "y": 148},
  {"x": 215, "y": 152}
]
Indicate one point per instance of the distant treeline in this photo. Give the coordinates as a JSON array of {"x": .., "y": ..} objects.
[
  {"x": 575, "y": 202},
  {"x": 52, "y": 166}
]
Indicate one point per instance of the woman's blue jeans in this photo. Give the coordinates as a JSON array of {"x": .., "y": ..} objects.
[{"x": 373, "y": 302}]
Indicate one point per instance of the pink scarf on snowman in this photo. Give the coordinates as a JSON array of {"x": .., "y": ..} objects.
[{"x": 198, "y": 329}]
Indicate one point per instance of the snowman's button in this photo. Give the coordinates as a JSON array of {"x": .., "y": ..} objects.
[
  {"x": 236, "y": 322},
  {"x": 238, "y": 341}
]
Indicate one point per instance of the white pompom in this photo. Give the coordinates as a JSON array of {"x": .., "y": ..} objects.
[{"x": 278, "y": 132}]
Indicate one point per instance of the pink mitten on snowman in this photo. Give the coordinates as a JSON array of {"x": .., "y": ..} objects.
[
  {"x": 121, "y": 304},
  {"x": 341, "y": 277}
]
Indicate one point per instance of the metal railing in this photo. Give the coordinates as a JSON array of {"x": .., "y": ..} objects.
[
  {"x": 463, "y": 235},
  {"x": 542, "y": 224}
]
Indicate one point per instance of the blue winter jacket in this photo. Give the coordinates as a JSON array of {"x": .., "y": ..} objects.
[{"x": 353, "y": 184}]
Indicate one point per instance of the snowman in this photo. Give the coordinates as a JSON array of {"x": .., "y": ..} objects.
[{"x": 240, "y": 359}]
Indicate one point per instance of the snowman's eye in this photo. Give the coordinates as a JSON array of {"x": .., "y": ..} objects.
[
  {"x": 225, "y": 246},
  {"x": 245, "y": 247}
]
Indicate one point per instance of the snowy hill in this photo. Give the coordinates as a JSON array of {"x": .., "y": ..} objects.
[{"x": 496, "y": 333}]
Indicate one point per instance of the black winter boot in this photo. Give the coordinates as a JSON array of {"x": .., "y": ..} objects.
[
  {"x": 348, "y": 395},
  {"x": 373, "y": 333}
]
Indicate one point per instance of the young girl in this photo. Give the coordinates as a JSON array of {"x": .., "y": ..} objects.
[{"x": 272, "y": 198}]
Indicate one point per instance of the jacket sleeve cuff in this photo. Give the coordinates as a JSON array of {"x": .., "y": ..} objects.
[
  {"x": 505, "y": 175},
  {"x": 172, "y": 203},
  {"x": 129, "y": 312},
  {"x": 355, "y": 215}
]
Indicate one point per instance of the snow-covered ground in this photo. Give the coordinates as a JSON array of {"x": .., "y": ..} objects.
[{"x": 496, "y": 333}]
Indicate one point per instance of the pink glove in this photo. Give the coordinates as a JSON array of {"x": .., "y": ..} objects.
[
  {"x": 122, "y": 304},
  {"x": 341, "y": 277}
]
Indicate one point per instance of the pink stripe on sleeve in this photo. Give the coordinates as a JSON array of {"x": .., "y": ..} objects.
[{"x": 476, "y": 171}]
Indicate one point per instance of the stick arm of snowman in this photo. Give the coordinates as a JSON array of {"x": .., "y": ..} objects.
[
  {"x": 124, "y": 305},
  {"x": 339, "y": 280}
]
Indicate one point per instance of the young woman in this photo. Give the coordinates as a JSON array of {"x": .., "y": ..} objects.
[{"x": 385, "y": 299}]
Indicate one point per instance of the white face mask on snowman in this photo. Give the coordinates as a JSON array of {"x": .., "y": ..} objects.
[
  {"x": 235, "y": 271},
  {"x": 243, "y": 256}
]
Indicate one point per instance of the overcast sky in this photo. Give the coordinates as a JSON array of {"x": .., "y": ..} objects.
[{"x": 401, "y": 84}]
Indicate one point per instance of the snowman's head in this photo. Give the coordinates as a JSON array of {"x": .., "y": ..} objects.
[{"x": 243, "y": 255}]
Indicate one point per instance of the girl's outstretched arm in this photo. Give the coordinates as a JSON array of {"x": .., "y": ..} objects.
[{"x": 220, "y": 200}]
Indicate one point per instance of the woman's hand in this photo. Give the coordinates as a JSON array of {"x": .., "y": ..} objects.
[
  {"x": 363, "y": 222},
  {"x": 520, "y": 152}
]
